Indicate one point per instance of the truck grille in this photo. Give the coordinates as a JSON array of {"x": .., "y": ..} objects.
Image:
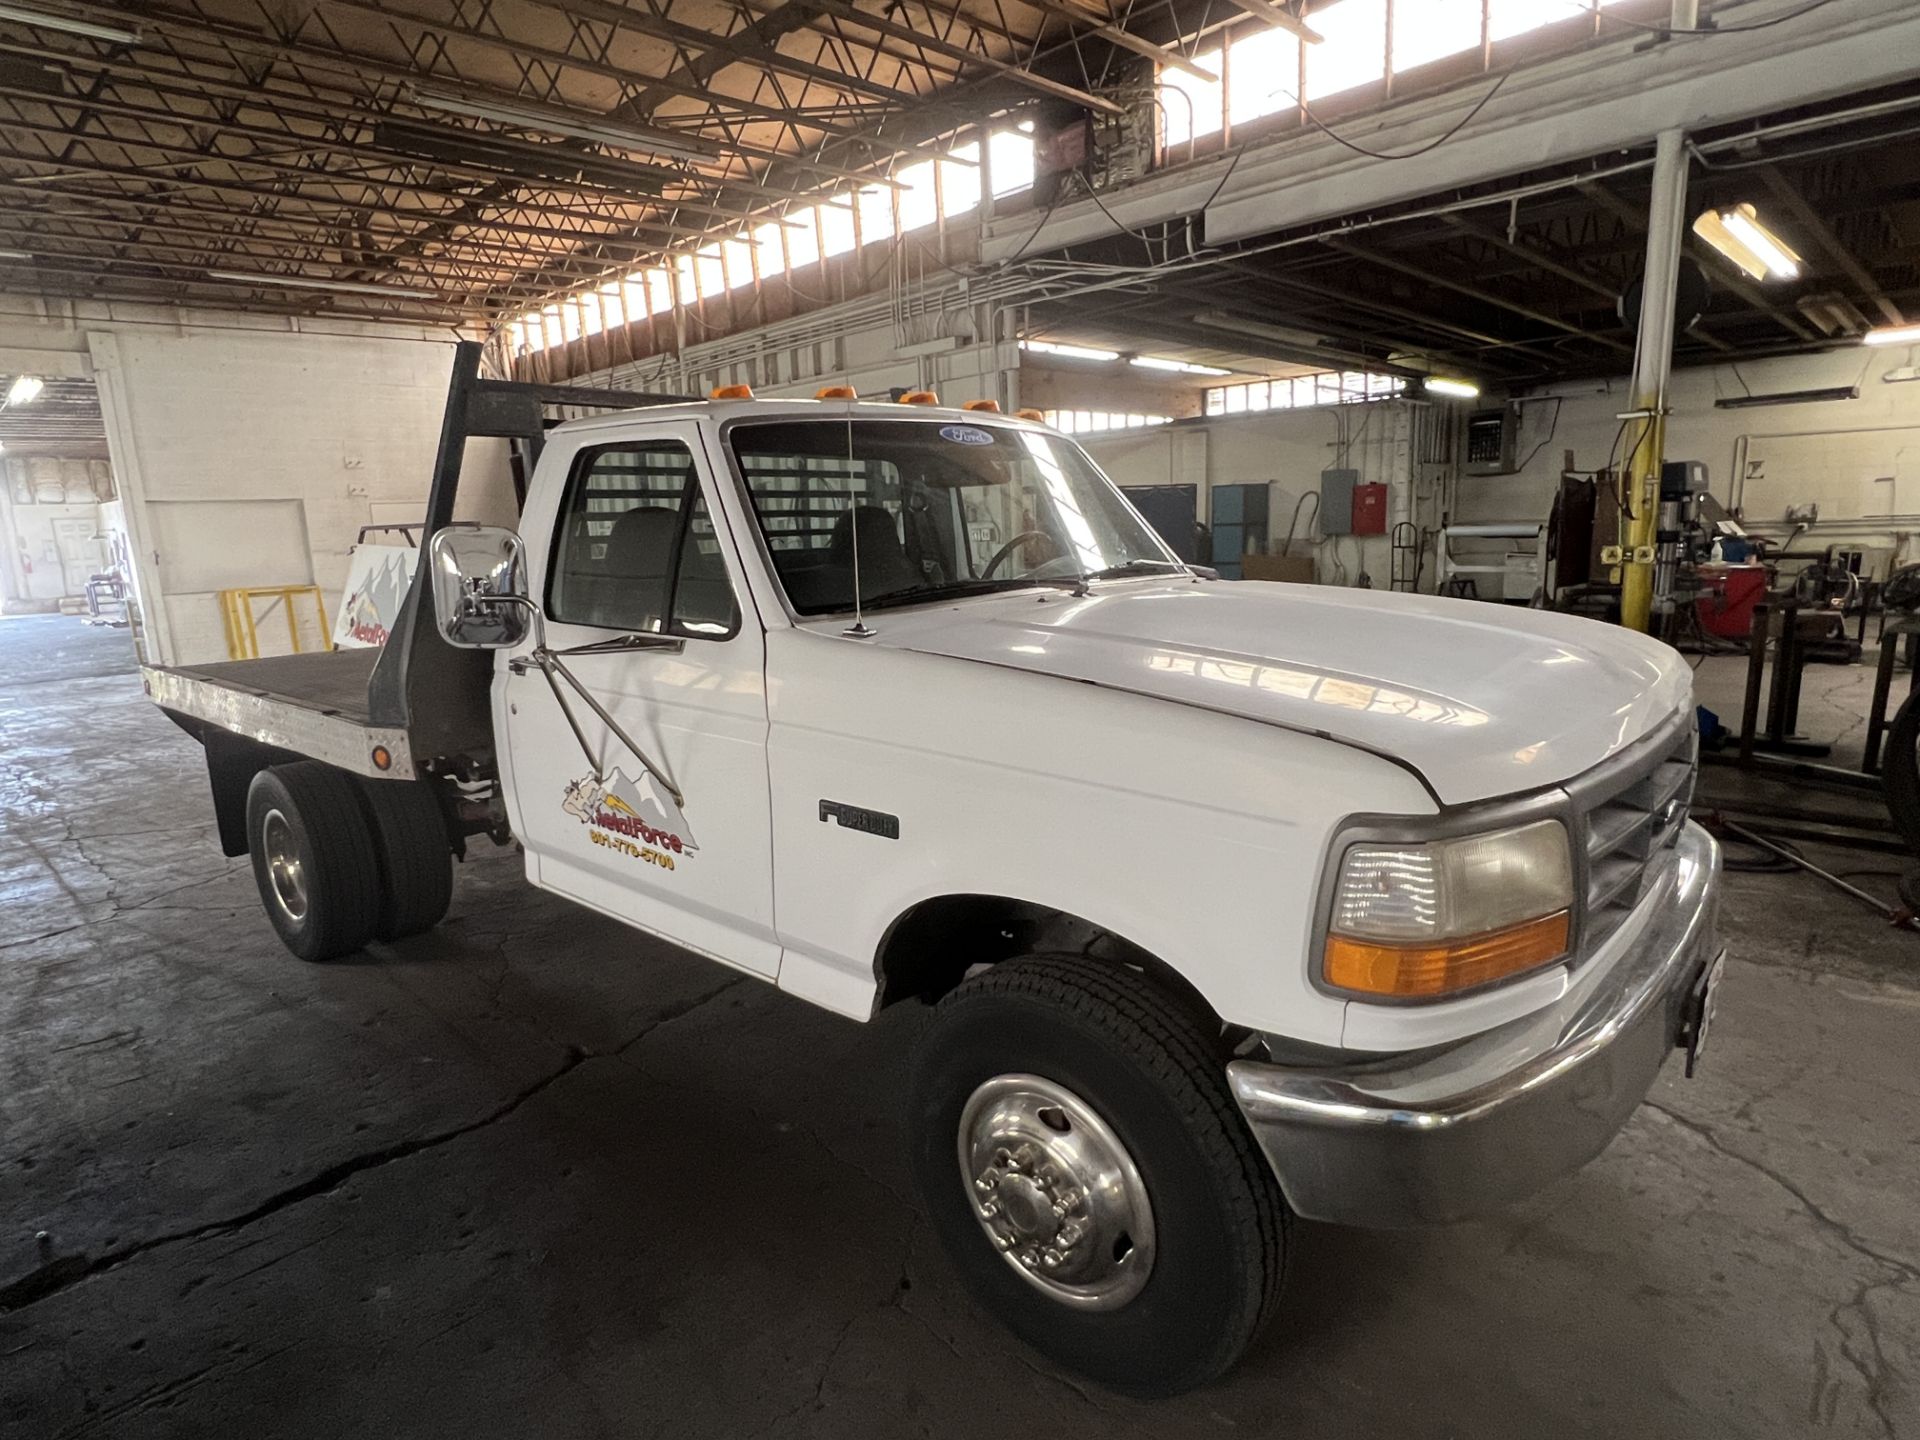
[{"x": 1632, "y": 821}]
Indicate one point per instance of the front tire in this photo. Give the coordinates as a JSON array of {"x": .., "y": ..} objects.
[
  {"x": 313, "y": 858},
  {"x": 1078, "y": 1152}
]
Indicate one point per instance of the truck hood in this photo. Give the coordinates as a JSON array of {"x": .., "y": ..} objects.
[{"x": 1482, "y": 700}]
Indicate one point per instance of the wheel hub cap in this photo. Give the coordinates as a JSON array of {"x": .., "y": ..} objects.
[
  {"x": 284, "y": 869},
  {"x": 1056, "y": 1192}
]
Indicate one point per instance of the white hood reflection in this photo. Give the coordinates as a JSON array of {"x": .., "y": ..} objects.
[{"x": 1483, "y": 700}]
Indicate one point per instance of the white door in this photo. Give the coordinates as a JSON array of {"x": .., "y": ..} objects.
[
  {"x": 81, "y": 553},
  {"x": 630, "y": 541}
]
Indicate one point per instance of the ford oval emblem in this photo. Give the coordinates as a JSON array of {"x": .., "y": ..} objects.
[{"x": 965, "y": 435}]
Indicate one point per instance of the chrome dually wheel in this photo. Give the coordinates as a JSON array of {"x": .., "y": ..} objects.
[{"x": 1056, "y": 1192}]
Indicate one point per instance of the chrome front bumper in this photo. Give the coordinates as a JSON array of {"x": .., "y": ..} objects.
[{"x": 1461, "y": 1131}]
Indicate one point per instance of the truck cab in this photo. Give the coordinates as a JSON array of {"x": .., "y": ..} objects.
[{"x": 1235, "y": 902}]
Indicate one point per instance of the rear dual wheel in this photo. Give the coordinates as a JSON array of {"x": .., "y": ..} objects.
[
  {"x": 340, "y": 861},
  {"x": 1077, "y": 1149}
]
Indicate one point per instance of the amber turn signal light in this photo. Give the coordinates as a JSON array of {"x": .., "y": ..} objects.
[{"x": 1409, "y": 972}]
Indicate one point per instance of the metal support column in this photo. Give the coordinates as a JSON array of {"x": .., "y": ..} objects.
[
  {"x": 1652, "y": 367},
  {"x": 1653, "y": 357}
]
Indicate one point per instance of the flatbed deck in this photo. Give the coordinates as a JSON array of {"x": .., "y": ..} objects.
[{"x": 314, "y": 705}]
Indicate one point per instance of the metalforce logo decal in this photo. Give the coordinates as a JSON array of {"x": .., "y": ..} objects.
[{"x": 633, "y": 817}]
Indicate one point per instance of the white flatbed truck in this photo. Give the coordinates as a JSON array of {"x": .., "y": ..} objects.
[{"x": 1237, "y": 902}]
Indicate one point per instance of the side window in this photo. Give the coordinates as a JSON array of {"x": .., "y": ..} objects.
[{"x": 636, "y": 549}]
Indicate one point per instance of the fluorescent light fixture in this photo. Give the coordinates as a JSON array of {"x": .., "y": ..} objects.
[
  {"x": 1893, "y": 335},
  {"x": 1068, "y": 352},
  {"x": 1787, "y": 397},
  {"x": 1178, "y": 367},
  {"x": 69, "y": 25},
  {"x": 24, "y": 390},
  {"x": 560, "y": 122},
  {"x": 14, "y": 255},
  {"x": 1738, "y": 234},
  {"x": 1458, "y": 389},
  {"x": 300, "y": 282}
]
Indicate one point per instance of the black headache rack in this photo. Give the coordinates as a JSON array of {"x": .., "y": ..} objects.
[{"x": 423, "y": 706}]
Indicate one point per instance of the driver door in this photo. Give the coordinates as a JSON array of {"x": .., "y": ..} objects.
[{"x": 634, "y": 544}]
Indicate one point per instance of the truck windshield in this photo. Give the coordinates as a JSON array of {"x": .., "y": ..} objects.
[{"x": 932, "y": 508}]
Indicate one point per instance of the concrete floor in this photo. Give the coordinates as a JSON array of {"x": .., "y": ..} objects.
[{"x": 535, "y": 1175}]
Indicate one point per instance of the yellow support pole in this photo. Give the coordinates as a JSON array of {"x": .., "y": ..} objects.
[
  {"x": 293, "y": 625},
  {"x": 1652, "y": 367}
]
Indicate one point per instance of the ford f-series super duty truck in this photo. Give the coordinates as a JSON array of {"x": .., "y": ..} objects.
[{"x": 1235, "y": 902}]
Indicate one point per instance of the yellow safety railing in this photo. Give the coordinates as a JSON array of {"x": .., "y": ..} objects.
[{"x": 243, "y": 621}]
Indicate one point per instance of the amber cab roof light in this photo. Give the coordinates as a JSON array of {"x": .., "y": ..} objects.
[
  {"x": 1025, "y": 413},
  {"x": 985, "y": 407},
  {"x": 730, "y": 392},
  {"x": 836, "y": 392},
  {"x": 919, "y": 397}
]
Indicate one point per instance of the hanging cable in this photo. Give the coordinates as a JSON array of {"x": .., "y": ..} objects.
[{"x": 1431, "y": 145}]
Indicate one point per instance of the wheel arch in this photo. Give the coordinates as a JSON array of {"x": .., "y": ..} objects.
[{"x": 930, "y": 947}]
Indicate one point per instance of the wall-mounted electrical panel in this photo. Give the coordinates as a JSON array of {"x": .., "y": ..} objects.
[{"x": 1493, "y": 441}]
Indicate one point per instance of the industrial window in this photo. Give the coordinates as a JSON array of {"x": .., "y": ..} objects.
[
  {"x": 1010, "y": 160},
  {"x": 836, "y": 227},
  {"x": 768, "y": 250},
  {"x": 919, "y": 205},
  {"x": 1266, "y": 75},
  {"x": 960, "y": 180},
  {"x": 1325, "y": 387},
  {"x": 1092, "y": 422},
  {"x": 1192, "y": 108},
  {"x": 803, "y": 238},
  {"x": 590, "y": 321},
  {"x": 709, "y": 271},
  {"x": 636, "y": 550},
  {"x": 876, "y": 214},
  {"x": 684, "y": 292},
  {"x": 1354, "y": 49},
  {"x": 1436, "y": 29},
  {"x": 659, "y": 291},
  {"x": 738, "y": 256}
]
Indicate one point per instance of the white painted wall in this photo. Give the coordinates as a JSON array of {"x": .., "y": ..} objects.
[
  {"x": 1859, "y": 460},
  {"x": 249, "y": 450},
  {"x": 1286, "y": 449}
]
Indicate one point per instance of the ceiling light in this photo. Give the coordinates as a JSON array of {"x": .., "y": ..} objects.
[
  {"x": 1738, "y": 234},
  {"x": 24, "y": 389},
  {"x": 14, "y": 255},
  {"x": 1893, "y": 335},
  {"x": 1788, "y": 397},
  {"x": 1179, "y": 367},
  {"x": 1458, "y": 389},
  {"x": 69, "y": 25},
  {"x": 1068, "y": 352},
  {"x": 560, "y": 122},
  {"x": 300, "y": 282}
]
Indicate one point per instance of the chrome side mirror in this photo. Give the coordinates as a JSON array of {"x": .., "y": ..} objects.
[{"x": 479, "y": 578}]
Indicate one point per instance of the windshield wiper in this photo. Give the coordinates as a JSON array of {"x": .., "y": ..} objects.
[
  {"x": 946, "y": 589},
  {"x": 1140, "y": 566}
]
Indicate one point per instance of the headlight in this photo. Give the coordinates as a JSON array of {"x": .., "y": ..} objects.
[{"x": 1416, "y": 921}]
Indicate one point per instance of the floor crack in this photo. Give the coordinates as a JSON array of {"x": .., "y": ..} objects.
[
  {"x": 1838, "y": 1229},
  {"x": 62, "y": 1272}
]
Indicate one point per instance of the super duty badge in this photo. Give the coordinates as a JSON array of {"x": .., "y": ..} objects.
[{"x": 868, "y": 822}]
